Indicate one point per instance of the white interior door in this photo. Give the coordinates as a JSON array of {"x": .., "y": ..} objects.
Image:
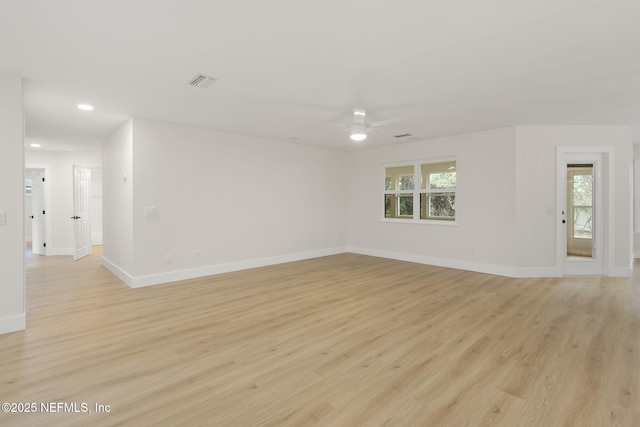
[
  {"x": 38, "y": 212},
  {"x": 82, "y": 224}
]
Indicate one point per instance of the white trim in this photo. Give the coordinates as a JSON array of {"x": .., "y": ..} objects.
[
  {"x": 621, "y": 272},
  {"x": 497, "y": 270},
  {"x": 119, "y": 272},
  {"x": 608, "y": 157},
  {"x": 446, "y": 222},
  {"x": 13, "y": 323},
  {"x": 534, "y": 272},
  {"x": 210, "y": 270}
]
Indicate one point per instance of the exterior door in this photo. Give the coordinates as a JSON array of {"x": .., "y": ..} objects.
[
  {"x": 582, "y": 214},
  {"x": 82, "y": 225}
]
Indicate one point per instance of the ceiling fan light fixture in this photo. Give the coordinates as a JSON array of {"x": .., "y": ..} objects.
[{"x": 358, "y": 133}]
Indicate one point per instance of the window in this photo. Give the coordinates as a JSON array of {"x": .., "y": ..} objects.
[
  {"x": 433, "y": 200},
  {"x": 399, "y": 189},
  {"x": 438, "y": 191}
]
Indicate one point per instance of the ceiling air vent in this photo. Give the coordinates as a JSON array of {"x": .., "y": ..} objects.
[
  {"x": 202, "y": 81},
  {"x": 404, "y": 135}
]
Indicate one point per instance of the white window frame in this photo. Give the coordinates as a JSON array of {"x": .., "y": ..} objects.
[
  {"x": 430, "y": 192},
  {"x": 417, "y": 190},
  {"x": 397, "y": 192}
]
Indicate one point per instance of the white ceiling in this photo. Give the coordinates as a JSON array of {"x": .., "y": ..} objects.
[{"x": 287, "y": 68}]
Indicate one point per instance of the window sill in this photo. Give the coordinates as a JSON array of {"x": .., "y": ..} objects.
[{"x": 419, "y": 221}]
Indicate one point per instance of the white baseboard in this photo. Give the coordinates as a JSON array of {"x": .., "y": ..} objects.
[
  {"x": 13, "y": 323},
  {"x": 119, "y": 272},
  {"x": 498, "y": 270},
  {"x": 210, "y": 270},
  {"x": 621, "y": 271},
  {"x": 533, "y": 272},
  {"x": 478, "y": 267}
]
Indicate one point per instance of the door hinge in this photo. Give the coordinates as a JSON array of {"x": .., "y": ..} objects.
[
  {"x": 44, "y": 245},
  {"x": 42, "y": 212},
  {"x": 42, "y": 179}
]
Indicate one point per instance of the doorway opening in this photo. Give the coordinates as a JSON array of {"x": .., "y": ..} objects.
[{"x": 37, "y": 201}]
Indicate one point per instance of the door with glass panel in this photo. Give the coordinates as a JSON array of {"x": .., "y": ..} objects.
[
  {"x": 580, "y": 198},
  {"x": 582, "y": 217}
]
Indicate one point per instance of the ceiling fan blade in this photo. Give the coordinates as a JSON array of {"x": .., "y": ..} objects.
[
  {"x": 386, "y": 122},
  {"x": 337, "y": 125}
]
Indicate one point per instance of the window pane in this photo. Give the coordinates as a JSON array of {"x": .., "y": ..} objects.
[
  {"x": 389, "y": 205},
  {"x": 399, "y": 178},
  {"x": 398, "y": 206},
  {"x": 583, "y": 190},
  {"x": 442, "y": 181},
  {"x": 582, "y": 222},
  {"x": 438, "y": 176},
  {"x": 438, "y": 206},
  {"x": 405, "y": 205},
  {"x": 405, "y": 182}
]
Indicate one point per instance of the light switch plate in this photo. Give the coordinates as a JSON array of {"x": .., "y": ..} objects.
[{"x": 3, "y": 218}]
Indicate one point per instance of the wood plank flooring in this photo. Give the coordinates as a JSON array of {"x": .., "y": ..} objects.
[{"x": 344, "y": 340}]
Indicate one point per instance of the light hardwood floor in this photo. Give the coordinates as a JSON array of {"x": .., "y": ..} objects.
[{"x": 345, "y": 340}]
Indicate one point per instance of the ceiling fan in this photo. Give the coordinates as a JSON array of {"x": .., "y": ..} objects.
[{"x": 358, "y": 129}]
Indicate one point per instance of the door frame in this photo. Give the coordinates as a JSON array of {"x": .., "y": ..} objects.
[
  {"x": 565, "y": 155},
  {"x": 48, "y": 218}
]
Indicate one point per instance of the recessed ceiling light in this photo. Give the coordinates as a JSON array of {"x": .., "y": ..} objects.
[
  {"x": 85, "y": 107},
  {"x": 35, "y": 145}
]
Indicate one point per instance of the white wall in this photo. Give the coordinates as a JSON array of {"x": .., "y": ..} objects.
[
  {"x": 236, "y": 200},
  {"x": 117, "y": 197},
  {"x": 506, "y": 198},
  {"x": 95, "y": 205},
  {"x": 61, "y": 167},
  {"x": 223, "y": 202},
  {"x": 536, "y": 189},
  {"x": 636, "y": 236},
  {"x": 483, "y": 237},
  {"x": 12, "y": 299}
]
